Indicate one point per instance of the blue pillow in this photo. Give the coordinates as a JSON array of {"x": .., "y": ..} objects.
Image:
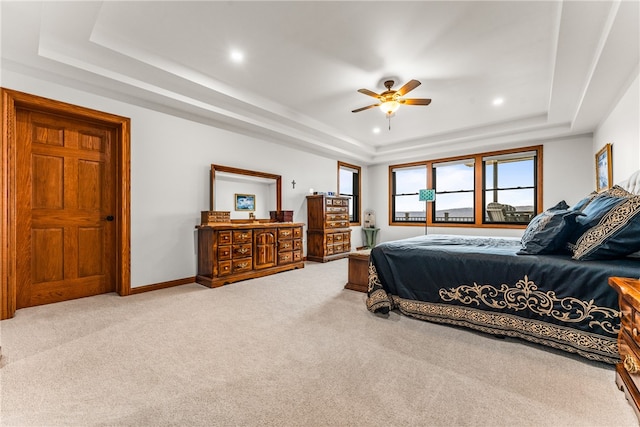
[
  {"x": 593, "y": 213},
  {"x": 616, "y": 235},
  {"x": 548, "y": 232},
  {"x": 584, "y": 202}
]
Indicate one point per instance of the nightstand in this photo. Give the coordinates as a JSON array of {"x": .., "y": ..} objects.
[
  {"x": 628, "y": 371},
  {"x": 359, "y": 271}
]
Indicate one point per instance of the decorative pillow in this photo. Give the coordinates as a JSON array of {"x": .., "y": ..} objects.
[
  {"x": 616, "y": 235},
  {"x": 593, "y": 213},
  {"x": 584, "y": 202},
  {"x": 558, "y": 206},
  {"x": 616, "y": 191},
  {"x": 548, "y": 232}
]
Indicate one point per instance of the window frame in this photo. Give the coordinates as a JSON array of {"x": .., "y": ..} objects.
[
  {"x": 392, "y": 194},
  {"x": 485, "y": 190},
  {"x": 434, "y": 180},
  {"x": 479, "y": 189},
  {"x": 357, "y": 187}
]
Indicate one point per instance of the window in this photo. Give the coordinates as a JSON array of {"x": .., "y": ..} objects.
[
  {"x": 349, "y": 186},
  {"x": 406, "y": 183},
  {"x": 510, "y": 187},
  {"x": 454, "y": 184},
  {"x": 497, "y": 189}
]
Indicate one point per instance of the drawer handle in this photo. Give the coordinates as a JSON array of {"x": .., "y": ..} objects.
[
  {"x": 631, "y": 364},
  {"x": 285, "y": 233},
  {"x": 635, "y": 332},
  {"x": 243, "y": 250}
]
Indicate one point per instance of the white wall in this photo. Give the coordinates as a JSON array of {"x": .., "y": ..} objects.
[
  {"x": 567, "y": 175},
  {"x": 622, "y": 129},
  {"x": 170, "y": 163},
  {"x": 171, "y": 157}
]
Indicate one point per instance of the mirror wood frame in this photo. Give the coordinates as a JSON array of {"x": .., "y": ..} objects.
[{"x": 245, "y": 172}]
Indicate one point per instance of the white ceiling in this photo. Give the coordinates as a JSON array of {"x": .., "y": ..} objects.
[{"x": 559, "y": 66}]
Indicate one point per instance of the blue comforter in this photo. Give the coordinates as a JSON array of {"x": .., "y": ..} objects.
[{"x": 482, "y": 283}]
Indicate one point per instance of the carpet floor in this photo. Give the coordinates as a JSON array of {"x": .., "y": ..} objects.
[{"x": 291, "y": 349}]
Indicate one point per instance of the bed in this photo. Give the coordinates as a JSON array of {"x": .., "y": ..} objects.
[{"x": 549, "y": 287}]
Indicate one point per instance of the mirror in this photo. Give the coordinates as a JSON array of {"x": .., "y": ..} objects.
[{"x": 229, "y": 185}]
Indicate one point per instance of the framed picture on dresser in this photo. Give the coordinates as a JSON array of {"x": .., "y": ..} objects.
[
  {"x": 604, "y": 172},
  {"x": 245, "y": 202}
]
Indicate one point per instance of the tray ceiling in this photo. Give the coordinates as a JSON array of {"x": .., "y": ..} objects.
[{"x": 558, "y": 66}]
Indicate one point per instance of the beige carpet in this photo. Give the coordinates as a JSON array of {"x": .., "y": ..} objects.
[{"x": 293, "y": 349}]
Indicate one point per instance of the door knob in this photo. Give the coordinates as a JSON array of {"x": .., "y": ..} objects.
[{"x": 110, "y": 218}]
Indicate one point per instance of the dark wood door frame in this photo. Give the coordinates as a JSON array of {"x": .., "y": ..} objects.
[{"x": 11, "y": 100}]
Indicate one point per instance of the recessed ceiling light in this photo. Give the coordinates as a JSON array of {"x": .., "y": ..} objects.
[
  {"x": 376, "y": 130},
  {"x": 498, "y": 101},
  {"x": 237, "y": 56}
]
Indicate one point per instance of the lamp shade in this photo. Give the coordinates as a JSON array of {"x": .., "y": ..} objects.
[{"x": 389, "y": 107}]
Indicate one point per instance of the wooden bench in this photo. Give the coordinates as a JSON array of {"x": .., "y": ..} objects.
[{"x": 358, "y": 271}]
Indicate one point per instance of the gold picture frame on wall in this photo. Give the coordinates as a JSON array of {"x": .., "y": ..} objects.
[
  {"x": 604, "y": 171},
  {"x": 245, "y": 202}
]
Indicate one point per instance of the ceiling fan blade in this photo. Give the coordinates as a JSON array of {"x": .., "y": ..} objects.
[
  {"x": 409, "y": 86},
  {"x": 368, "y": 92},
  {"x": 415, "y": 101},
  {"x": 364, "y": 108}
]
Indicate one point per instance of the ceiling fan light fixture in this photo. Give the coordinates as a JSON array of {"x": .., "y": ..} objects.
[{"x": 389, "y": 107}]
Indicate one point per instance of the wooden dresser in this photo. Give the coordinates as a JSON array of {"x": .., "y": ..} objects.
[
  {"x": 328, "y": 232},
  {"x": 628, "y": 371},
  {"x": 231, "y": 252}
]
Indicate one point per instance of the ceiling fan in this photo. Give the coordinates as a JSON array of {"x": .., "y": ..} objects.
[{"x": 390, "y": 100}]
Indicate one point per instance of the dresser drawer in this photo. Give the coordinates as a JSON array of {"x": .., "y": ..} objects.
[
  {"x": 285, "y": 257},
  {"x": 297, "y": 245},
  {"x": 337, "y": 224},
  {"x": 337, "y": 237},
  {"x": 630, "y": 359},
  {"x": 239, "y": 265},
  {"x": 338, "y": 217},
  {"x": 285, "y": 245},
  {"x": 224, "y": 252},
  {"x": 242, "y": 236},
  {"x": 297, "y": 233},
  {"x": 337, "y": 202},
  {"x": 242, "y": 251},
  {"x": 337, "y": 209},
  {"x": 224, "y": 268},
  {"x": 630, "y": 321},
  {"x": 224, "y": 237},
  {"x": 346, "y": 238},
  {"x": 285, "y": 233}
]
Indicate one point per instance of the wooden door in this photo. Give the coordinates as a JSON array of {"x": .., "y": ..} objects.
[
  {"x": 264, "y": 253},
  {"x": 66, "y": 208}
]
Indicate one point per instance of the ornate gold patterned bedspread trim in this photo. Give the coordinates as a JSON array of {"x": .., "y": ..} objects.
[
  {"x": 524, "y": 295},
  {"x": 589, "y": 345}
]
